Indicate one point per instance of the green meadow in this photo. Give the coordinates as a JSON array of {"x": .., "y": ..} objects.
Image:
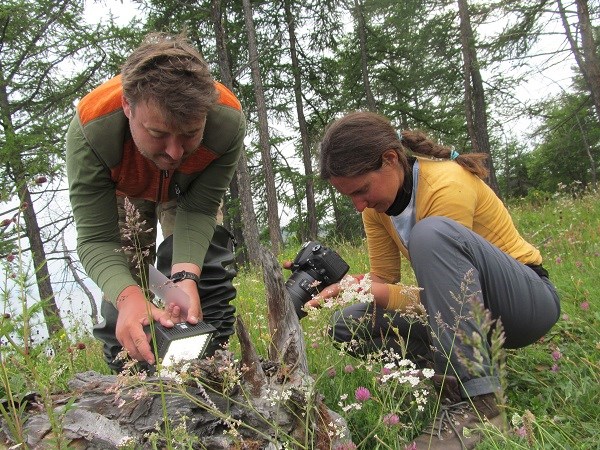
[{"x": 551, "y": 389}]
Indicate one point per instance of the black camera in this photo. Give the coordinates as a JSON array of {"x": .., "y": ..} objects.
[{"x": 314, "y": 268}]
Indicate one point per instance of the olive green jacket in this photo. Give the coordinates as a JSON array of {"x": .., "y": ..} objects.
[{"x": 103, "y": 162}]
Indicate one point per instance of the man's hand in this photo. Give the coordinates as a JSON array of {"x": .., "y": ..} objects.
[
  {"x": 135, "y": 312},
  {"x": 194, "y": 312}
]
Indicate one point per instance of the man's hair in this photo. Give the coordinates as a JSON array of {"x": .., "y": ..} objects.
[{"x": 169, "y": 71}]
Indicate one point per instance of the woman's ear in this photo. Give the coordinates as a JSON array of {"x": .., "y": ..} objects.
[{"x": 390, "y": 157}]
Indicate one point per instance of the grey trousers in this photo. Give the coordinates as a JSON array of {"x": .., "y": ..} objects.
[{"x": 455, "y": 266}]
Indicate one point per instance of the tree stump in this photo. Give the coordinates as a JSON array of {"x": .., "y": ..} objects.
[{"x": 214, "y": 403}]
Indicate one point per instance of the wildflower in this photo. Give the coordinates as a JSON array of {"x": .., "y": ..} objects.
[
  {"x": 411, "y": 446},
  {"x": 391, "y": 419},
  {"x": 41, "y": 180},
  {"x": 352, "y": 291},
  {"x": 585, "y": 305},
  {"x": 362, "y": 394},
  {"x": 428, "y": 373},
  {"x": 565, "y": 317},
  {"x": 315, "y": 345},
  {"x": 331, "y": 372},
  {"x": 521, "y": 432},
  {"x": 80, "y": 346},
  {"x": 10, "y": 257},
  {"x": 558, "y": 260},
  {"x": 554, "y": 368},
  {"x": 349, "y": 368},
  {"x": 578, "y": 264},
  {"x": 556, "y": 355},
  {"x": 6, "y": 222}
]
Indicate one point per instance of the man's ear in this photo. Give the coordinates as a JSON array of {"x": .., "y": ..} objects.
[{"x": 126, "y": 107}]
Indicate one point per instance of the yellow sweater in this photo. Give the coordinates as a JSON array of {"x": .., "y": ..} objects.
[{"x": 444, "y": 189}]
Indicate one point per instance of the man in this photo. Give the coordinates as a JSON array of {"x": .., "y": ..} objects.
[{"x": 164, "y": 137}]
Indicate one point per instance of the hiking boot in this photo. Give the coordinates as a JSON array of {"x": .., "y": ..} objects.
[{"x": 458, "y": 426}]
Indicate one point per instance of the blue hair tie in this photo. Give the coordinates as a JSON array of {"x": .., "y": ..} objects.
[{"x": 453, "y": 155}]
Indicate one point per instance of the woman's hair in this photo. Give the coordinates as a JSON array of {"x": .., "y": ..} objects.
[
  {"x": 354, "y": 145},
  {"x": 168, "y": 70}
]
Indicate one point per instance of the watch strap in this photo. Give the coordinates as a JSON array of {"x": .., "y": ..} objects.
[{"x": 184, "y": 275}]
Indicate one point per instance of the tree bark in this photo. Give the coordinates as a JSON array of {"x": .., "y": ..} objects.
[
  {"x": 54, "y": 323},
  {"x": 249, "y": 236},
  {"x": 587, "y": 57},
  {"x": 475, "y": 106},
  {"x": 311, "y": 209},
  {"x": 263, "y": 132},
  {"x": 362, "y": 38}
]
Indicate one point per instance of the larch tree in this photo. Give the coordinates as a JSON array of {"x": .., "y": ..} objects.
[
  {"x": 263, "y": 132},
  {"x": 475, "y": 103},
  {"x": 41, "y": 75}
]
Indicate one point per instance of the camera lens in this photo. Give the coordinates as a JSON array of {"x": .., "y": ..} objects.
[{"x": 301, "y": 288}]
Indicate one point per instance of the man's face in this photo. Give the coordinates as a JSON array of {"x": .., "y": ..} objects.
[{"x": 164, "y": 143}]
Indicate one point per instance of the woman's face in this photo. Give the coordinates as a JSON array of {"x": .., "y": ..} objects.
[{"x": 376, "y": 189}]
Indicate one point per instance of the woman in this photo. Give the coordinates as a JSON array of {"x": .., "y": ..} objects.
[{"x": 434, "y": 209}]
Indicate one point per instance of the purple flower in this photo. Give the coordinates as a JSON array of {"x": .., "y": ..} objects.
[
  {"x": 558, "y": 260},
  {"x": 565, "y": 316},
  {"x": 554, "y": 368},
  {"x": 391, "y": 419},
  {"x": 331, "y": 372},
  {"x": 585, "y": 305},
  {"x": 349, "y": 368},
  {"x": 362, "y": 394},
  {"x": 556, "y": 355},
  {"x": 385, "y": 371},
  {"x": 578, "y": 264},
  {"x": 411, "y": 446},
  {"x": 522, "y": 432}
]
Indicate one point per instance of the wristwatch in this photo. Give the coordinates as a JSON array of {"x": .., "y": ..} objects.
[{"x": 183, "y": 275}]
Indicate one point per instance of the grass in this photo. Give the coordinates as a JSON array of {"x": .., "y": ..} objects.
[{"x": 552, "y": 387}]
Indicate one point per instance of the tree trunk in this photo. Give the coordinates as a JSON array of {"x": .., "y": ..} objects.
[
  {"x": 362, "y": 37},
  {"x": 246, "y": 229},
  {"x": 52, "y": 318},
  {"x": 263, "y": 132},
  {"x": 475, "y": 107},
  {"x": 311, "y": 209},
  {"x": 586, "y": 58},
  {"x": 589, "y": 153}
]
